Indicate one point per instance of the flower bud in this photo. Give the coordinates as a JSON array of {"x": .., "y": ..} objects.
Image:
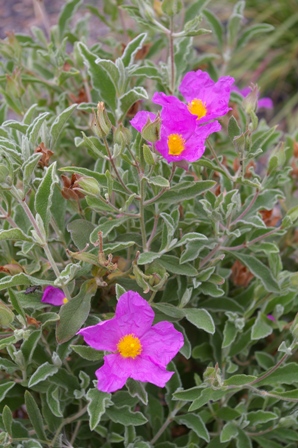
[
  {"x": 250, "y": 102},
  {"x": 122, "y": 136},
  {"x": 102, "y": 120},
  {"x": 88, "y": 185},
  {"x": 151, "y": 130}
]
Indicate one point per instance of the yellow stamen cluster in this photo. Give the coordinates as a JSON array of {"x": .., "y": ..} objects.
[
  {"x": 65, "y": 300},
  {"x": 197, "y": 107},
  {"x": 129, "y": 346},
  {"x": 176, "y": 144}
]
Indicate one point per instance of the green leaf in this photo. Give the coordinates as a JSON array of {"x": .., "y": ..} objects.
[
  {"x": 233, "y": 128},
  {"x": 185, "y": 190},
  {"x": 137, "y": 389},
  {"x": 66, "y": 15},
  {"x": 200, "y": 318},
  {"x": 88, "y": 353},
  {"x": 7, "y": 419},
  {"x": 129, "y": 98},
  {"x": 242, "y": 440},
  {"x": 4, "y": 388},
  {"x": 53, "y": 400},
  {"x": 287, "y": 374},
  {"x": 206, "y": 396},
  {"x": 100, "y": 79},
  {"x": 14, "y": 234},
  {"x": 34, "y": 128},
  {"x": 29, "y": 167},
  {"x": 194, "y": 422},
  {"x": 228, "y": 432},
  {"x": 159, "y": 181},
  {"x": 125, "y": 416},
  {"x": 75, "y": 312},
  {"x": 42, "y": 373},
  {"x": 59, "y": 123},
  {"x": 132, "y": 48},
  {"x": 169, "y": 310},
  {"x": 260, "y": 271},
  {"x": 239, "y": 380},
  {"x": 172, "y": 264},
  {"x": 80, "y": 230},
  {"x": 44, "y": 194},
  {"x": 35, "y": 416},
  {"x": 215, "y": 25},
  {"x": 6, "y": 315},
  {"x": 195, "y": 8},
  {"x": 20, "y": 279},
  {"x": 229, "y": 334},
  {"x": 260, "y": 328},
  {"x": 98, "y": 402},
  {"x": 252, "y": 31},
  {"x": 148, "y": 257},
  {"x": 260, "y": 417}
]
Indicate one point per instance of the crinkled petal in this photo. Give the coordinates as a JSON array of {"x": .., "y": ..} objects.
[
  {"x": 175, "y": 116},
  {"x": 146, "y": 371},
  {"x": 161, "y": 343},
  {"x": 102, "y": 336},
  {"x": 215, "y": 95},
  {"x": 112, "y": 375},
  {"x": 133, "y": 314},
  {"x": 194, "y": 145},
  {"x": 141, "y": 118},
  {"x": 53, "y": 296}
]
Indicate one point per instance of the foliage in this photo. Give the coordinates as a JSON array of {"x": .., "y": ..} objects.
[{"x": 86, "y": 206}]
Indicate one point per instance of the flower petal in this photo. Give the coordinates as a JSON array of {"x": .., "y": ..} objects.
[
  {"x": 141, "y": 118},
  {"x": 161, "y": 343},
  {"x": 102, "y": 336},
  {"x": 111, "y": 376},
  {"x": 146, "y": 371},
  {"x": 53, "y": 296},
  {"x": 133, "y": 314}
]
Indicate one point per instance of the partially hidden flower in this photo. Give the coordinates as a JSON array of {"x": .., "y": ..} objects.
[
  {"x": 206, "y": 99},
  {"x": 54, "y": 296},
  {"x": 138, "y": 350},
  {"x": 180, "y": 137},
  {"x": 265, "y": 103}
]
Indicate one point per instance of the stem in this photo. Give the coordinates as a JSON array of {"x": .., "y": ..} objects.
[
  {"x": 45, "y": 244},
  {"x": 248, "y": 208},
  {"x": 114, "y": 167},
  {"x": 270, "y": 371},
  {"x": 152, "y": 200},
  {"x": 250, "y": 243},
  {"x": 142, "y": 215},
  {"x": 172, "y": 56},
  {"x": 68, "y": 420},
  {"x": 210, "y": 255},
  {"x": 7, "y": 217},
  {"x": 218, "y": 162},
  {"x": 156, "y": 218},
  {"x": 167, "y": 422}
]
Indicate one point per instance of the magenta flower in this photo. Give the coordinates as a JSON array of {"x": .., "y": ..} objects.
[
  {"x": 138, "y": 350},
  {"x": 206, "y": 99},
  {"x": 54, "y": 296},
  {"x": 180, "y": 136},
  {"x": 265, "y": 102}
]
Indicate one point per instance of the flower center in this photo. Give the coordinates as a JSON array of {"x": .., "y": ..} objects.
[
  {"x": 129, "y": 346},
  {"x": 176, "y": 144},
  {"x": 197, "y": 107},
  {"x": 65, "y": 300}
]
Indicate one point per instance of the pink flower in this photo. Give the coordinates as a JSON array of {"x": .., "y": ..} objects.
[
  {"x": 138, "y": 350},
  {"x": 54, "y": 296},
  {"x": 206, "y": 99},
  {"x": 265, "y": 102},
  {"x": 180, "y": 136}
]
